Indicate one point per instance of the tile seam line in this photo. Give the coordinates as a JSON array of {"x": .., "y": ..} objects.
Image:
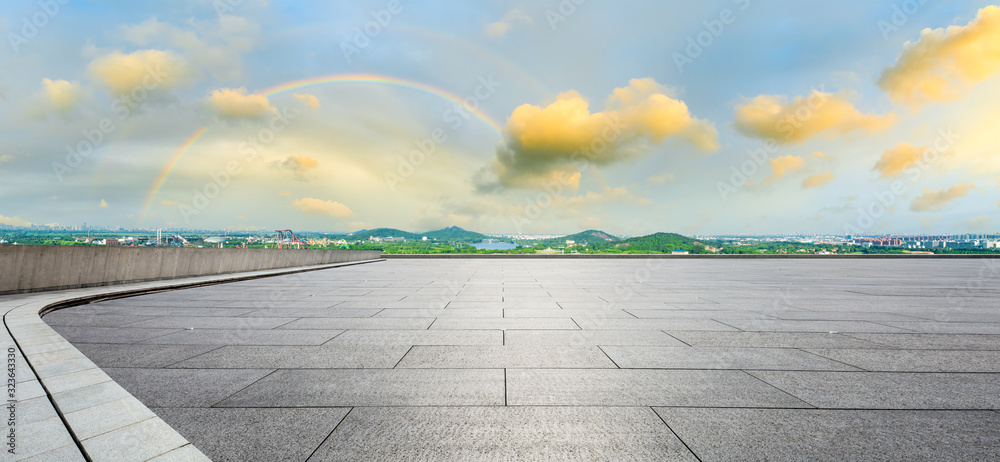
[
  {"x": 781, "y": 389},
  {"x": 675, "y": 434},
  {"x": 330, "y": 435}
]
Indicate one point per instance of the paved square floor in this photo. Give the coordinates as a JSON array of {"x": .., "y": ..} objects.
[{"x": 570, "y": 359}]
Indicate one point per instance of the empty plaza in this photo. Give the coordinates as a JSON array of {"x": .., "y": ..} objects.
[{"x": 569, "y": 359}]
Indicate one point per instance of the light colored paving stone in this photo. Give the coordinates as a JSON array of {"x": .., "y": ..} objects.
[
  {"x": 825, "y": 435},
  {"x": 883, "y": 390},
  {"x": 644, "y": 357},
  {"x": 637, "y": 387},
  {"x": 493, "y": 357},
  {"x": 240, "y": 435},
  {"x": 502, "y": 433},
  {"x": 298, "y": 357},
  {"x": 883, "y": 360},
  {"x": 590, "y": 337},
  {"x": 373, "y": 387}
]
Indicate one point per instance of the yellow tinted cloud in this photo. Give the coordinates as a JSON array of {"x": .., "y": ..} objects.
[
  {"x": 942, "y": 63},
  {"x": 552, "y": 142},
  {"x": 899, "y": 158},
  {"x": 104, "y": 204},
  {"x": 817, "y": 180},
  {"x": 61, "y": 95},
  {"x": 794, "y": 122},
  {"x": 662, "y": 178},
  {"x": 309, "y": 100},
  {"x": 299, "y": 165},
  {"x": 936, "y": 199},
  {"x": 500, "y": 28},
  {"x": 322, "y": 207},
  {"x": 14, "y": 221},
  {"x": 236, "y": 103},
  {"x": 781, "y": 166},
  {"x": 150, "y": 69}
]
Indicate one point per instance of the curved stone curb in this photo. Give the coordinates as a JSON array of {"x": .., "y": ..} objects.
[{"x": 67, "y": 408}]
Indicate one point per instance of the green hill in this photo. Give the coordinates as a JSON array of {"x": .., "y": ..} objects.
[
  {"x": 659, "y": 242},
  {"x": 591, "y": 236},
  {"x": 385, "y": 232},
  {"x": 455, "y": 234}
]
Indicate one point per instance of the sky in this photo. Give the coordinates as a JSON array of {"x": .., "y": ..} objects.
[{"x": 544, "y": 117}]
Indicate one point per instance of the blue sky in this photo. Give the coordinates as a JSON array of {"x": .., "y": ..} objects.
[{"x": 869, "y": 88}]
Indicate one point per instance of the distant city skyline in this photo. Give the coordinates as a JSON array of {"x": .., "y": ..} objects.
[{"x": 543, "y": 118}]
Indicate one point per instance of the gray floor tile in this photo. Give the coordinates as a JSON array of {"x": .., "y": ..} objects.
[
  {"x": 75, "y": 334},
  {"x": 590, "y": 337},
  {"x": 916, "y": 360},
  {"x": 246, "y": 337},
  {"x": 928, "y": 327},
  {"x": 419, "y": 337},
  {"x": 813, "y": 326},
  {"x": 646, "y": 357},
  {"x": 65, "y": 318},
  {"x": 140, "y": 355},
  {"x": 298, "y": 357},
  {"x": 183, "y": 387},
  {"x": 503, "y": 323},
  {"x": 502, "y": 433},
  {"x": 772, "y": 339},
  {"x": 888, "y": 390},
  {"x": 358, "y": 323},
  {"x": 637, "y": 387},
  {"x": 473, "y": 357},
  {"x": 933, "y": 341},
  {"x": 652, "y": 324},
  {"x": 240, "y": 435},
  {"x": 374, "y": 387},
  {"x": 833, "y": 435},
  {"x": 209, "y": 322}
]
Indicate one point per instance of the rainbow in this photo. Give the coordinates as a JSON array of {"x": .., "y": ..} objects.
[
  {"x": 315, "y": 82},
  {"x": 383, "y": 80},
  {"x": 160, "y": 180}
]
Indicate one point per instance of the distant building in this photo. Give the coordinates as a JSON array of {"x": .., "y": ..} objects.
[{"x": 680, "y": 252}]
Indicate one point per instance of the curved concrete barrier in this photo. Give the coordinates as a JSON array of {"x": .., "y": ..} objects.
[
  {"x": 40, "y": 268},
  {"x": 66, "y": 408}
]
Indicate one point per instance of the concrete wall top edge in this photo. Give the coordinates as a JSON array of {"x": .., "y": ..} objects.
[{"x": 38, "y": 268}]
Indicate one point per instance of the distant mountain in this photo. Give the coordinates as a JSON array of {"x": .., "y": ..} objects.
[
  {"x": 385, "y": 232},
  {"x": 659, "y": 242},
  {"x": 590, "y": 236},
  {"x": 454, "y": 233}
]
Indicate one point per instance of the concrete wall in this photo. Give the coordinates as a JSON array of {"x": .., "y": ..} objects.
[{"x": 31, "y": 268}]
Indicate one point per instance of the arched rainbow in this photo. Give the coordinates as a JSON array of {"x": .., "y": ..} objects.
[
  {"x": 160, "y": 180},
  {"x": 313, "y": 82},
  {"x": 384, "y": 80}
]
